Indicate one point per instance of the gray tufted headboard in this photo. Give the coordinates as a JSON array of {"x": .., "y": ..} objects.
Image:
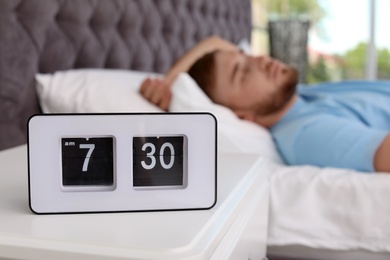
[{"x": 43, "y": 36}]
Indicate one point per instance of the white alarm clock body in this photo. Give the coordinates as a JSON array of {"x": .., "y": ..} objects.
[{"x": 122, "y": 162}]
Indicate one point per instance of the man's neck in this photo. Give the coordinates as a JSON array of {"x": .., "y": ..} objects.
[{"x": 270, "y": 120}]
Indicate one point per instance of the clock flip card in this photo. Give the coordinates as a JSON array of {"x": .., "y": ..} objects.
[{"x": 122, "y": 162}]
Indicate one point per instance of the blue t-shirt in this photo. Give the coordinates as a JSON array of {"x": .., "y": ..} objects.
[{"x": 335, "y": 125}]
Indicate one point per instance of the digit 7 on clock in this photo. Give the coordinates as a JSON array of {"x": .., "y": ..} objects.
[{"x": 87, "y": 161}]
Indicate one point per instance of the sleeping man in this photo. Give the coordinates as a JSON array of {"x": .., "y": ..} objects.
[{"x": 344, "y": 125}]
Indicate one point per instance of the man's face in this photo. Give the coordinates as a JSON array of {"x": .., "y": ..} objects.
[{"x": 258, "y": 84}]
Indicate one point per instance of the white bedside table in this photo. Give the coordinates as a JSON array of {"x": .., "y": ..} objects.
[{"x": 236, "y": 228}]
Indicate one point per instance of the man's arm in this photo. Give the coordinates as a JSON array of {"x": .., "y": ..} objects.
[
  {"x": 205, "y": 46},
  {"x": 382, "y": 156},
  {"x": 158, "y": 91}
]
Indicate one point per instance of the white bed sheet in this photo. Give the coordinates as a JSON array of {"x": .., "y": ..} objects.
[
  {"x": 320, "y": 208},
  {"x": 329, "y": 208},
  {"x": 308, "y": 253}
]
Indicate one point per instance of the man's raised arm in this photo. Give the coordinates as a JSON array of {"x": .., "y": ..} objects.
[
  {"x": 205, "y": 46},
  {"x": 158, "y": 91}
]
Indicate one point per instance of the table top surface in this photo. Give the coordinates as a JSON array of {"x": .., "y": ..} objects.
[{"x": 145, "y": 234}]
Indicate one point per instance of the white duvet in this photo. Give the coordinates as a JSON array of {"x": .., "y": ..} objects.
[
  {"x": 321, "y": 208},
  {"x": 329, "y": 208}
]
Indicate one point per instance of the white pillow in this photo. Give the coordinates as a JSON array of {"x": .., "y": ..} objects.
[
  {"x": 103, "y": 90},
  {"x": 234, "y": 135},
  {"x": 92, "y": 91},
  {"x": 245, "y": 46}
]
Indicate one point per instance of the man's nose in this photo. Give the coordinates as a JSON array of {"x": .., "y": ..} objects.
[{"x": 263, "y": 62}]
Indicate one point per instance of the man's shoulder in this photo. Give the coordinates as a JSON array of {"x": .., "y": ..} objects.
[{"x": 343, "y": 85}]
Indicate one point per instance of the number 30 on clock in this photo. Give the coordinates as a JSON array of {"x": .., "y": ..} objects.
[{"x": 159, "y": 161}]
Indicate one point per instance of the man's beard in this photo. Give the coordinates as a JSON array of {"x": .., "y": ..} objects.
[{"x": 281, "y": 97}]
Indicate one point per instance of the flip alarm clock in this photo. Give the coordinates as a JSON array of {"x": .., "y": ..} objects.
[{"x": 80, "y": 163}]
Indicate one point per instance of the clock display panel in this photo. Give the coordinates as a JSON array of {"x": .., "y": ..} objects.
[
  {"x": 87, "y": 161},
  {"x": 159, "y": 161}
]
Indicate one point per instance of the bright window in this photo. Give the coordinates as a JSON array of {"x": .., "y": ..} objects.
[{"x": 339, "y": 41}]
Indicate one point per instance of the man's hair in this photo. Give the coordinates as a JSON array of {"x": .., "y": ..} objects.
[{"x": 203, "y": 72}]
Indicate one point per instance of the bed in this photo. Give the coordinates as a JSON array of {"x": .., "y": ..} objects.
[{"x": 78, "y": 56}]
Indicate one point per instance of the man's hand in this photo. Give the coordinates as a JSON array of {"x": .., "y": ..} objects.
[
  {"x": 382, "y": 156},
  {"x": 157, "y": 91}
]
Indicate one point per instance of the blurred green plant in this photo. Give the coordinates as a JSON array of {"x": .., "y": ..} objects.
[
  {"x": 310, "y": 9},
  {"x": 355, "y": 60},
  {"x": 299, "y": 9},
  {"x": 318, "y": 72},
  {"x": 304, "y": 10},
  {"x": 384, "y": 64}
]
